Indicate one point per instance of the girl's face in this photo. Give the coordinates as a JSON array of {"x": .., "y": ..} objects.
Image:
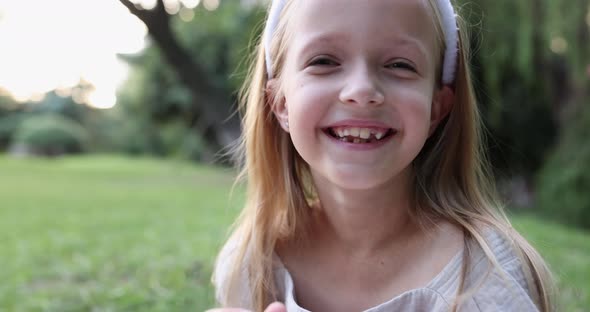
[{"x": 359, "y": 88}]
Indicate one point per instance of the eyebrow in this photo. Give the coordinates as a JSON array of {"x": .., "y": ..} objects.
[
  {"x": 323, "y": 38},
  {"x": 411, "y": 42},
  {"x": 337, "y": 38}
]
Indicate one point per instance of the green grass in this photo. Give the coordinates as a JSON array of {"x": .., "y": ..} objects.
[
  {"x": 121, "y": 234},
  {"x": 567, "y": 251},
  {"x": 110, "y": 234}
]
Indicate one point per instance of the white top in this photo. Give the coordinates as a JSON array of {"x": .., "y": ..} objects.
[{"x": 498, "y": 292}]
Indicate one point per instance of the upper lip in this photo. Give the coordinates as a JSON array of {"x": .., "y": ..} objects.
[{"x": 359, "y": 123}]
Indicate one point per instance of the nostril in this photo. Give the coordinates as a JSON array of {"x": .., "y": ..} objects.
[{"x": 362, "y": 95}]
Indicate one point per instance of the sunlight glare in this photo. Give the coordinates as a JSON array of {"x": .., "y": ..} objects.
[
  {"x": 186, "y": 15},
  {"x": 558, "y": 45},
  {"x": 79, "y": 96},
  {"x": 37, "y": 97},
  {"x": 78, "y": 40},
  {"x": 101, "y": 99},
  {"x": 64, "y": 92},
  {"x": 190, "y": 4},
  {"x": 145, "y": 4},
  {"x": 172, "y": 7},
  {"x": 211, "y": 5}
]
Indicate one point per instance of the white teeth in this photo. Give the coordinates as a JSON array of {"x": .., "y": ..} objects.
[
  {"x": 364, "y": 133},
  {"x": 358, "y": 133},
  {"x": 357, "y": 140}
]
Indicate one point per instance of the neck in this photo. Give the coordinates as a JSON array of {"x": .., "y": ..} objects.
[{"x": 367, "y": 221}]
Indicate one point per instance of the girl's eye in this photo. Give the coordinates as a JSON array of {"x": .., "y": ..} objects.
[
  {"x": 323, "y": 61},
  {"x": 401, "y": 65}
]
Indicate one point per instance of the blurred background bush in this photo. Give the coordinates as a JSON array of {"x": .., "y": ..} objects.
[
  {"x": 175, "y": 97},
  {"x": 49, "y": 135}
]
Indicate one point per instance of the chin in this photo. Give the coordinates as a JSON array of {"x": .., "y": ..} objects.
[{"x": 359, "y": 181}]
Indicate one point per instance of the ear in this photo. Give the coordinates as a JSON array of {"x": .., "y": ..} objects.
[
  {"x": 442, "y": 102},
  {"x": 278, "y": 106}
]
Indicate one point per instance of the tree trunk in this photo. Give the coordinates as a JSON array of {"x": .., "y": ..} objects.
[{"x": 212, "y": 106}]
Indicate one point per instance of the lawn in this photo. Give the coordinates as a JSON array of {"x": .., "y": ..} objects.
[{"x": 108, "y": 233}]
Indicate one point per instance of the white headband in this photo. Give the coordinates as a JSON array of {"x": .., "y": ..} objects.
[{"x": 449, "y": 24}]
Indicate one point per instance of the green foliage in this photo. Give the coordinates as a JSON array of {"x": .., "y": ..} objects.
[
  {"x": 101, "y": 127},
  {"x": 512, "y": 67},
  {"x": 222, "y": 40},
  {"x": 64, "y": 106},
  {"x": 192, "y": 147},
  {"x": 8, "y": 127},
  {"x": 530, "y": 57},
  {"x": 153, "y": 111},
  {"x": 564, "y": 182},
  {"x": 135, "y": 137},
  {"x": 51, "y": 134},
  {"x": 116, "y": 132},
  {"x": 568, "y": 19},
  {"x": 10, "y": 117},
  {"x": 218, "y": 41},
  {"x": 153, "y": 91},
  {"x": 7, "y": 104},
  {"x": 181, "y": 142}
]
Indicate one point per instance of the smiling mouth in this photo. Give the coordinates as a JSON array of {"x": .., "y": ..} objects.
[{"x": 358, "y": 135}]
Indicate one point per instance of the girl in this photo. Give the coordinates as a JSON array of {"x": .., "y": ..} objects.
[{"x": 367, "y": 184}]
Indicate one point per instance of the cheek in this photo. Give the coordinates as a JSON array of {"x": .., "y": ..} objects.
[
  {"x": 307, "y": 102},
  {"x": 414, "y": 111},
  {"x": 308, "y": 105}
]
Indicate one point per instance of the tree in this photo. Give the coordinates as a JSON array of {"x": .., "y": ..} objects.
[
  {"x": 513, "y": 70},
  {"x": 212, "y": 104}
]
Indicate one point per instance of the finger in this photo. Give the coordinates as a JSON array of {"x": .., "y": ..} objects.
[{"x": 276, "y": 307}]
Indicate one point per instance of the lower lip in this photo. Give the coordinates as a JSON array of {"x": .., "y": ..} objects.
[{"x": 360, "y": 146}]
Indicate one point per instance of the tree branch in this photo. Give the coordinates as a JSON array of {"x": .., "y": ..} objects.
[{"x": 143, "y": 15}]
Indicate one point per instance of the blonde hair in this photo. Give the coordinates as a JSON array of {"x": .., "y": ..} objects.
[{"x": 451, "y": 178}]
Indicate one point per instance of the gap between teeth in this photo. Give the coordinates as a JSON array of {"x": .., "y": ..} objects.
[{"x": 359, "y": 133}]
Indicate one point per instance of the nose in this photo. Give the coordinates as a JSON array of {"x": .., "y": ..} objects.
[{"x": 361, "y": 87}]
